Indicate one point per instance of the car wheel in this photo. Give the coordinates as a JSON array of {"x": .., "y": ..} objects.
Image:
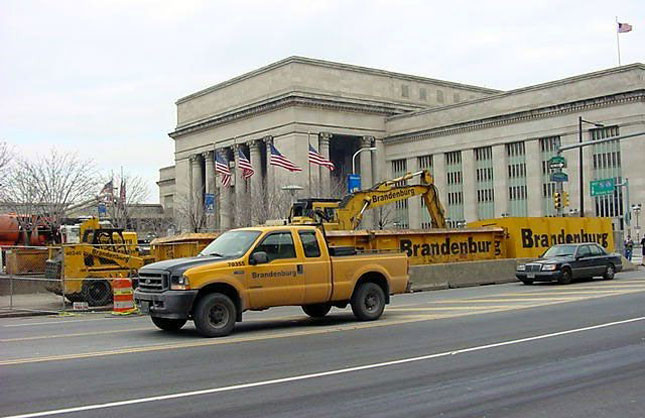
[
  {"x": 368, "y": 302},
  {"x": 566, "y": 277},
  {"x": 317, "y": 310},
  {"x": 527, "y": 281},
  {"x": 215, "y": 315},
  {"x": 168, "y": 324},
  {"x": 610, "y": 272}
]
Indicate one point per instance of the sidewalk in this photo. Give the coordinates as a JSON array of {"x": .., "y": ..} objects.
[{"x": 36, "y": 304}]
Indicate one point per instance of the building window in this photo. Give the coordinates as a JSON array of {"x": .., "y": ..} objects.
[
  {"x": 455, "y": 188},
  {"x": 398, "y": 218},
  {"x": 548, "y": 147},
  {"x": 423, "y": 95},
  {"x": 516, "y": 173},
  {"x": 607, "y": 165},
  {"x": 405, "y": 90},
  {"x": 425, "y": 163},
  {"x": 484, "y": 183},
  {"x": 440, "y": 98}
]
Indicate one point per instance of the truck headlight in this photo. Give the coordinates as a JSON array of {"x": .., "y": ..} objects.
[
  {"x": 521, "y": 267},
  {"x": 179, "y": 283},
  {"x": 549, "y": 267}
]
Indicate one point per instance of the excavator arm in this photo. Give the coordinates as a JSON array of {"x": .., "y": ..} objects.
[{"x": 351, "y": 210}]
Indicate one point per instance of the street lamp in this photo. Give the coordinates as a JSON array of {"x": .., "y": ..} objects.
[
  {"x": 358, "y": 152},
  {"x": 580, "y": 171},
  {"x": 292, "y": 189},
  {"x": 637, "y": 211}
]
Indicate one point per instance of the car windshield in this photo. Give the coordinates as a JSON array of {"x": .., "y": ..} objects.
[
  {"x": 231, "y": 244},
  {"x": 559, "y": 251}
]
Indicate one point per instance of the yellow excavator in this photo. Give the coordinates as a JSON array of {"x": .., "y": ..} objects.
[{"x": 346, "y": 214}]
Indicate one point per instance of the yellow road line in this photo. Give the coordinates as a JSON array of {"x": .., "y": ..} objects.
[{"x": 449, "y": 308}]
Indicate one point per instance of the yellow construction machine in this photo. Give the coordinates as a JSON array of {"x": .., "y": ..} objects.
[
  {"x": 346, "y": 214},
  {"x": 92, "y": 253}
]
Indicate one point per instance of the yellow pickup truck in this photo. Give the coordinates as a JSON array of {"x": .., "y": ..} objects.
[{"x": 258, "y": 268}]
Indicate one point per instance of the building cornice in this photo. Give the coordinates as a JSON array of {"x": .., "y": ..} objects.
[
  {"x": 523, "y": 116},
  {"x": 337, "y": 66},
  {"x": 294, "y": 99}
]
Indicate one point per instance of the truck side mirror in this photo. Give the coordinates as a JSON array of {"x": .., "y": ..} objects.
[{"x": 258, "y": 258}]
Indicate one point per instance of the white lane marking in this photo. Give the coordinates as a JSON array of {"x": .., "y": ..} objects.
[{"x": 317, "y": 375}]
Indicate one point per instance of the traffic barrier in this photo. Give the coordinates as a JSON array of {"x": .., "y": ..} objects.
[{"x": 123, "y": 297}]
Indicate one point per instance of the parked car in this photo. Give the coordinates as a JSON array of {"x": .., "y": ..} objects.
[{"x": 565, "y": 262}]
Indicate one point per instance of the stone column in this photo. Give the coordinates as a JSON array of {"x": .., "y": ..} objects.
[
  {"x": 469, "y": 186},
  {"x": 241, "y": 206},
  {"x": 500, "y": 179},
  {"x": 324, "y": 174},
  {"x": 414, "y": 204},
  {"x": 257, "y": 196},
  {"x": 366, "y": 177},
  {"x": 378, "y": 161},
  {"x": 210, "y": 185},
  {"x": 439, "y": 170},
  {"x": 534, "y": 202},
  {"x": 270, "y": 171},
  {"x": 197, "y": 187},
  {"x": 225, "y": 200}
]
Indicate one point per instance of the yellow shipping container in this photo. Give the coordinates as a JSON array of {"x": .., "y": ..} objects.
[{"x": 529, "y": 237}]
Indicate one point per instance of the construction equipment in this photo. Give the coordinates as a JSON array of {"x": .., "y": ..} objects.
[
  {"x": 346, "y": 214},
  {"x": 92, "y": 253}
]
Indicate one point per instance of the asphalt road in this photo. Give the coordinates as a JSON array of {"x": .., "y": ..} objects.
[{"x": 496, "y": 351}]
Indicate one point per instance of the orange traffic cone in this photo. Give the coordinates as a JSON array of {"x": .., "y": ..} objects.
[{"x": 123, "y": 296}]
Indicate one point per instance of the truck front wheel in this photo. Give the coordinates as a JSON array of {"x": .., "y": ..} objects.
[
  {"x": 168, "y": 324},
  {"x": 215, "y": 315},
  {"x": 317, "y": 310},
  {"x": 368, "y": 302}
]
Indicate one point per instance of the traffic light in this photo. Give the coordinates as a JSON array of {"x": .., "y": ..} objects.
[
  {"x": 557, "y": 200},
  {"x": 565, "y": 199}
]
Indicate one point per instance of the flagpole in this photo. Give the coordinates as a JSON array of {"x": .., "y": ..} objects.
[
  {"x": 617, "y": 40},
  {"x": 311, "y": 189}
]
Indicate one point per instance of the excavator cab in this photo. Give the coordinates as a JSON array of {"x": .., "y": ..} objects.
[{"x": 314, "y": 210}]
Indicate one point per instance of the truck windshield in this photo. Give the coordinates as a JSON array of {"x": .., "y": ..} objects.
[
  {"x": 231, "y": 244},
  {"x": 560, "y": 251}
]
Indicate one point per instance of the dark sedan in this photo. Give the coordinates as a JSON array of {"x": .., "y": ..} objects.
[{"x": 565, "y": 262}]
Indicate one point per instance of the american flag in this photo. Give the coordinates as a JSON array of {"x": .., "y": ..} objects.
[
  {"x": 316, "y": 158},
  {"x": 624, "y": 27},
  {"x": 244, "y": 165},
  {"x": 221, "y": 167},
  {"x": 280, "y": 160}
]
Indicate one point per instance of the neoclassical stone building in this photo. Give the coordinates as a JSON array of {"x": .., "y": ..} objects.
[{"x": 487, "y": 149}]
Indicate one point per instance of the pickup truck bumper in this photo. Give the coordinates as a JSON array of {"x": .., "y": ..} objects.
[{"x": 171, "y": 304}]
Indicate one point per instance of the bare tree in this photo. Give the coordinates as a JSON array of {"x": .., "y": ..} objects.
[
  {"x": 128, "y": 190},
  {"x": 41, "y": 190},
  {"x": 189, "y": 214},
  {"x": 6, "y": 156}
]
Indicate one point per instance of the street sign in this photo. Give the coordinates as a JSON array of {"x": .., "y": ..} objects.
[
  {"x": 557, "y": 162},
  {"x": 209, "y": 203},
  {"x": 353, "y": 183},
  {"x": 102, "y": 210},
  {"x": 602, "y": 187},
  {"x": 559, "y": 177}
]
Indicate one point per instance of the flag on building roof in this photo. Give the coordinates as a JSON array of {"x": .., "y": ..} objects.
[
  {"x": 221, "y": 168},
  {"x": 624, "y": 27},
  {"x": 244, "y": 165},
  {"x": 122, "y": 191},
  {"x": 280, "y": 160},
  {"x": 315, "y": 158}
]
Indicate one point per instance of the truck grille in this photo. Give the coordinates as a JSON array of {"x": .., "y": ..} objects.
[
  {"x": 153, "y": 282},
  {"x": 533, "y": 267}
]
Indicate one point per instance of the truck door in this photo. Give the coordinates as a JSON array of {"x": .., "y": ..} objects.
[
  {"x": 317, "y": 269},
  {"x": 280, "y": 281}
]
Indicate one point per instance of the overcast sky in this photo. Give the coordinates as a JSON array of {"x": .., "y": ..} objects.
[{"x": 101, "y": 77}]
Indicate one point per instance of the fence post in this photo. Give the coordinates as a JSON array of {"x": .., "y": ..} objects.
[{"x": 62, "y": 276}]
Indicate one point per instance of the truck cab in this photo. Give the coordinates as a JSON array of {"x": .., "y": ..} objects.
[{"x": 263, "y": 267}]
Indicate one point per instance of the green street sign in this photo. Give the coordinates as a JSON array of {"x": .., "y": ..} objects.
[
  {"x": 602, "y": 187},
  {"x": 557, "y": 162},
  {"x": 559, "y": 177}
]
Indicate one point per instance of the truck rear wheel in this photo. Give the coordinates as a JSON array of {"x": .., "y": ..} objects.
[
  {"x": 215, "y": 315},
  {"x": 317, "y": 310},
  {"x": 168, "y": 324},
  {"x": 368, "y": 302}
]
